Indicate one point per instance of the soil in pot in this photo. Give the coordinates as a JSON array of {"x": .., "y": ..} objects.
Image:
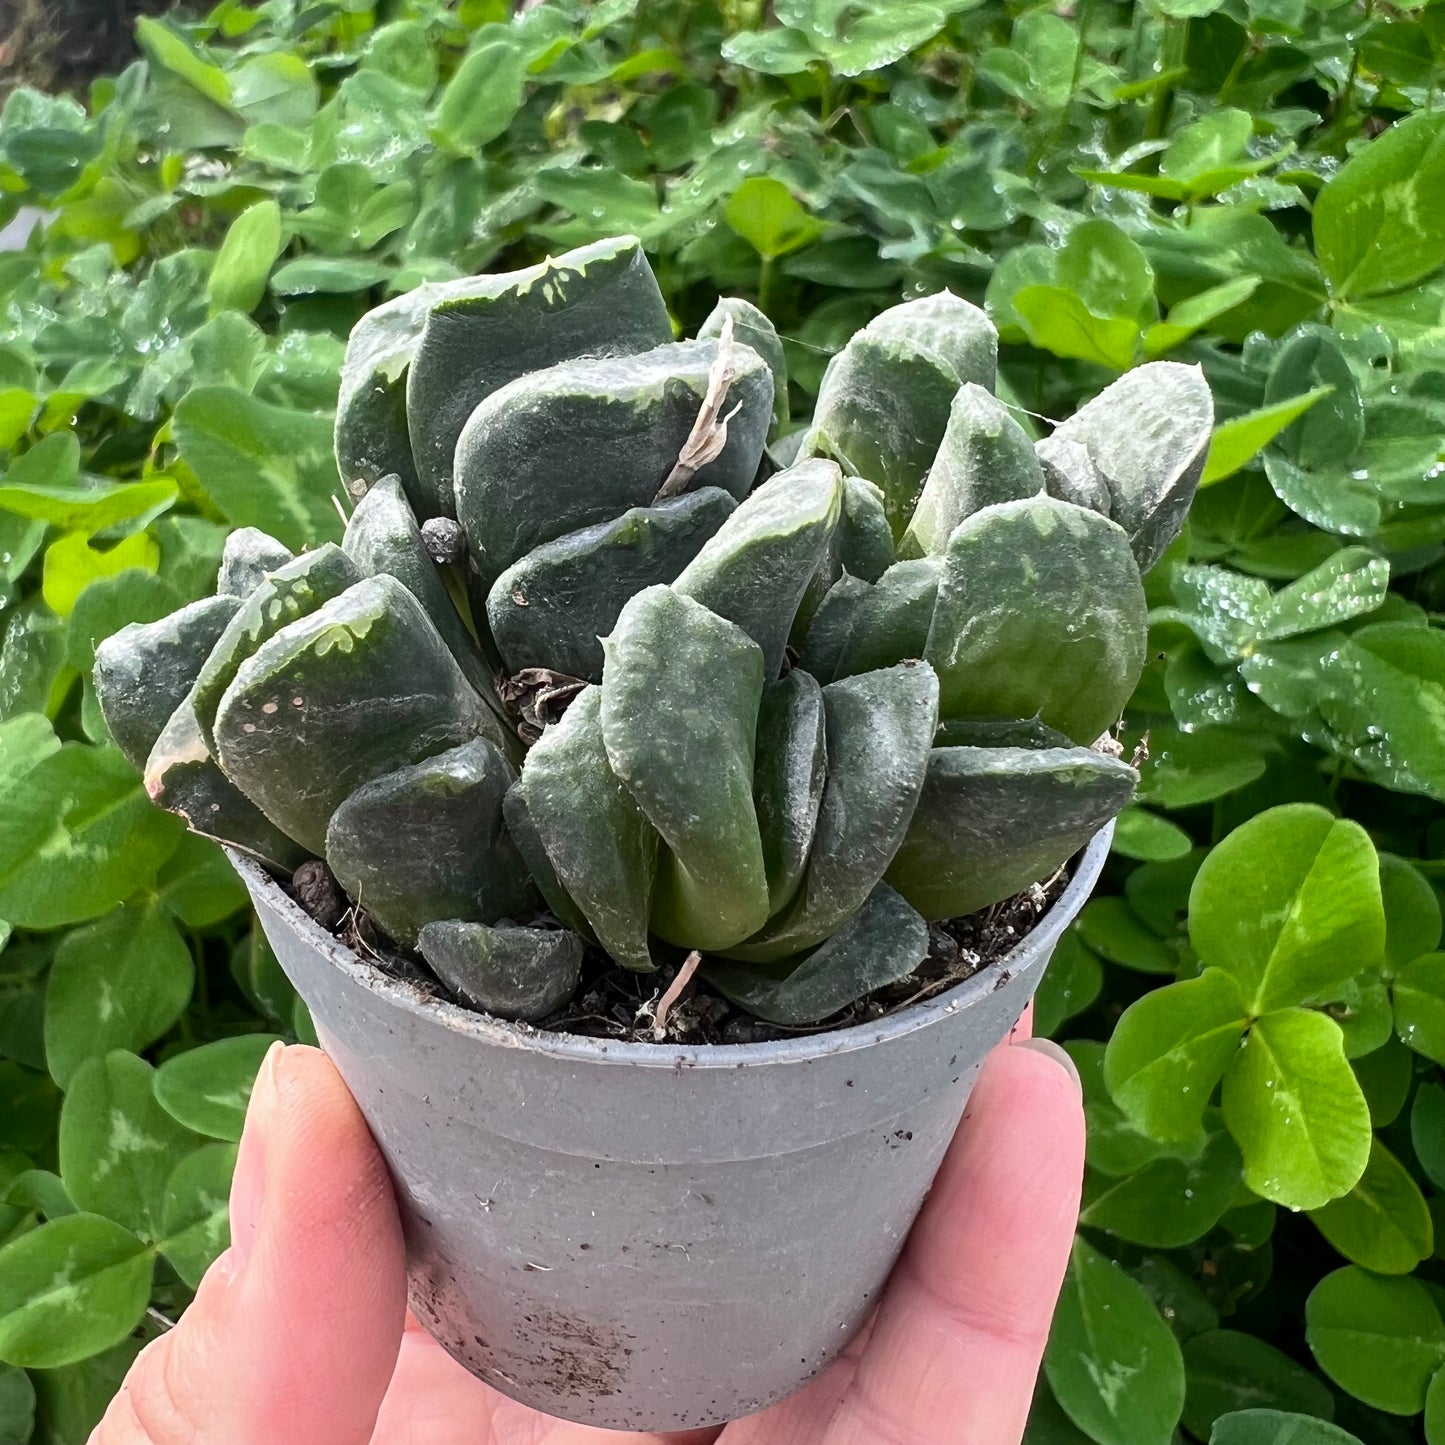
[
  {"x": 63, "y": 45},
  {"x": 612, "y": 1002}
]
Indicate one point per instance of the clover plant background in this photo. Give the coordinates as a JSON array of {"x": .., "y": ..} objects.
[{"x": 1252, "y": 185}]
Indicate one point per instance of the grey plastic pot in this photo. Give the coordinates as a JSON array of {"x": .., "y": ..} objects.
[{"x": 638, "y": 1236}]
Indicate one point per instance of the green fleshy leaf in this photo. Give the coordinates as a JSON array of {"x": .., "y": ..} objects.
[
  {"x": 1073, "y": 656},
  {"x": 577, "y": 443},
  {"x": 753, "y": 329},
  {"x": 788, "y": 780},
  {"x": 372, "y": 642},
  {"x": 601, "y": 847},
  {"x": 427, "y": 843},
  {"x": 885, "y": 399},
  {"x": 889, "y": 623},
  {"x": 1148, "y": 434},
  {"x": 985, "y": 458},
  {"x": 884, "y": 941},
  {"x": 383, "y": 537},
  {"x": 878, "y": 727},
  {"x": 680, "y": 697},
  {"x": 599, "y": 301},
  {"x": 991, "y": 821},
  {"x": 294, "y": 590},
  {"x": 553, "y": 607},
  {"x": 248, "y": 555},
  {"x": 754, "y": 570},
  {"x": 514, "y": 973}
]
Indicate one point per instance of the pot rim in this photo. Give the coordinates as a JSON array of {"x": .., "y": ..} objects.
[{"x": 579, "y": 1047}]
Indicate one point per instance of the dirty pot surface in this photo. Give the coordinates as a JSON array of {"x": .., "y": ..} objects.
[{"x": 645, "y": 1237}]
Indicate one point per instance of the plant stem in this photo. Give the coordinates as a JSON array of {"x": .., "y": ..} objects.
[
  {"x": 1171, "y": 57},
  {"x": 767, "y": 283}
]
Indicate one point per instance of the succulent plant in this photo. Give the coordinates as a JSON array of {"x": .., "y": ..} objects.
[{"x": 611, "y": 658}]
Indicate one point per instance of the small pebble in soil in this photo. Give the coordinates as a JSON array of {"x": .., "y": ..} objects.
[
  {"x": 444, "y": 540},
  {"x": 318, "y": 892}
]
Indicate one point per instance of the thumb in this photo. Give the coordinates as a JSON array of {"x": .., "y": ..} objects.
[{"x": 294, "y": 1332}]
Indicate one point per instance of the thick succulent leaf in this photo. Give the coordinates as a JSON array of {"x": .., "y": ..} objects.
[
  {"x": 681, "y": 689},
  {"x": 753, "y": 329},
  {"x": 998, "y": 733},
  {"x": 985, "y": 457},
  {"x": 294, "y": 590},
  {"x": 249, "y": 554},
  {"x": 580, "y": 442},
  {"x": 1071, "y": 475},
  {"x": 990, "y": 821},
  {"x": 553, "y": 607},
  {"x": 143, "y": 672},
  {"x": 600, "y": 300},
  {"x": 182, "y": 777},
  {"x": 755, "y": 569},
  {"x": 539, "y": 866},
  {"x": 534, "y": 854},
  {"x": 788, "y": 780},
  {"x": 514, "y": 973},
  {"x": 879, "y": 729},
  {"x": 383, "y": 537},
  {"x": 864, "y": 539},
  {"x": 884, "y": 941},
  {"x": 891, "y": 623},
  {"x": 1148, "y": 434},
  {"x": 831, "y": 628},
  {"x": 884, "y": 403},
  {"x": 1072, "y": 655},
  {"x": 360, "y": 687},
  {"x": 603, "y": 851},
  {"x": 428, "y": 842},
  {"x": 861, "y": 546},
  {"x": 371, "y": 425}
]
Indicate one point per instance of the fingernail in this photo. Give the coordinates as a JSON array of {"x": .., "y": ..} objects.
[
  {"x": 1050, "y": 1050},
  {"x": 248, "y": 1186}
]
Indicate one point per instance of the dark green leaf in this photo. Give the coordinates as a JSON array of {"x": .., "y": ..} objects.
[
  {"x": 207, "y": 1088},
  {"x": 1226, "y": 1371},
  {"x": 78, "y": 837},
  {"x": 70, "y": 1288},
  {"x": 1380, "y": 1339},
  {"x": 1112, "y": 1363},
  {"x": 117, "y": 983},
  {"x": 117, "y": 1145}
]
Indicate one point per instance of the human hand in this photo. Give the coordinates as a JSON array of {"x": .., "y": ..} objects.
[{"x": 299, "y": 1332}]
